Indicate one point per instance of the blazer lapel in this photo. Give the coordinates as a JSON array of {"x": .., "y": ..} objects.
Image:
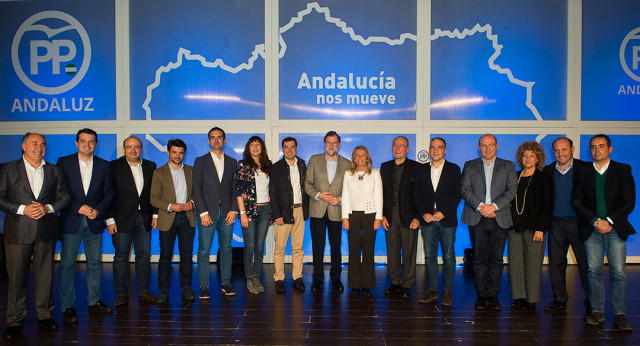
[
  {"x": 24, "y": 180},
  {"x": 323, "y": 169}
]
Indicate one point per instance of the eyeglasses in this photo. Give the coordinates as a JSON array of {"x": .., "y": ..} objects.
[{"x": 400, "y": 146}]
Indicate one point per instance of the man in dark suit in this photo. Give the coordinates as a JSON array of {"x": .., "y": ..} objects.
[
  {"x": 437, "y": 196},
  {"x": 488, "y": 186},
  {"x": 171, "y": 194},
  {"x": 217, "y": 206},
  {"x": 289, "y": 210},
  {"x": 129, "y": 220},
  {"x": 399, "y": 217},
  {"x": 32, "y": 192},
  {"x": 91, "y": 188},
  {"x": 603, "y": 197},
  {"x": 564, "y": 225},
  {"x": 323, "y": 184}
]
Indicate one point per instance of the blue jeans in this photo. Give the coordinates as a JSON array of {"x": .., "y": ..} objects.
[
  {"x": 616, "y": 249},
  {"x": 254, "y": 237},
  {"x": 141, "y": 239},
  {"x": 205, "y": 239},
  {"x": 70, "y": 246},
  {"x": 432, "y": 233}
]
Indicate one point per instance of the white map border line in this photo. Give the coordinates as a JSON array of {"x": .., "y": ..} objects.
[{"x": 259, "y": 51}]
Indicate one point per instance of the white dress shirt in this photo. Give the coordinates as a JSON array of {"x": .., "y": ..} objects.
[
  {"x": 219, "y": 163},
  {"x": 436, "y": 172},
  {"x": 86, "y": 170},
  {"x": 36, "y": 179},
  {"x": 294, "y": 176}
]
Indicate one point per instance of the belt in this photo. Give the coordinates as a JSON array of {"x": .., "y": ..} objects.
[
  {"x": 262, "y": 204},
  {"x": 394, "y": 204},
  {"x": 297, "y": 205}
]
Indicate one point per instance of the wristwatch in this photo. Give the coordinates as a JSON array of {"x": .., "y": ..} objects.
[{"x": 243, "y": 212}]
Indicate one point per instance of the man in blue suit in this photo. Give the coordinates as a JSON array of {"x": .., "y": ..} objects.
[
  {"x": 217, "y": 207},
  {"x": 488, "y": 186},
  {"x": 91, "y": 188}
]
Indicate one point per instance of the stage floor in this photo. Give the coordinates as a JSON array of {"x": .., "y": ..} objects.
[{"x": 297, "y": 318}]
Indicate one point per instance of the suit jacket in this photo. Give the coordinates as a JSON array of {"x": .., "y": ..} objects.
[
  {"x": 124, "y": 208},
  {"x": 99, "y": 195},
  {"x": 371, "y": 190},
  {"x": 550, "y": 171},
  {"x": 406, "y": 205},
  {"x": 209, "y": 192},
  {"x": 538, "y": 204},
  {"x": 473, "y": 189},
  {"x": 317, "y": 180},
  {"x": 15, "y": 190},
  {"x": 619, "y": 194},
  {"x": 446, "y": 197},
  {"x": 281, "y": 191},
  {"x": 163, "y": 193}
]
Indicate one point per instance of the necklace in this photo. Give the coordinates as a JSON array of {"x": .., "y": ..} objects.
[{"x": 524, "y": 199}]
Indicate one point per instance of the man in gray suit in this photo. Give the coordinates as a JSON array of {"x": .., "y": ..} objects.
[
  {"x": 488, "y": 186},
  {"x": 323, "y": 184},
  {"x": 32, "y": 192}
]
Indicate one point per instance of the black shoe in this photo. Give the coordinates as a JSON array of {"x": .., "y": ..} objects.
[
  {"x": 621, "y": 322},
  {"x": 494, "y": 303},
  {"x": 100, "y": 307},
  {"x": 480, "y": 304},
  {"x": 355, "y": 291},
  {"x": 280, "y": 286},
  {"x": 49, "y": 324},
  {"x": 365, "y": 292},
  {"x": 518, "y": 303},
  {"x": 405, "y": 292},
  {"x": 69, "y": 315},
  {"x": 298, "y": 284},
  {"x": 316, "y": 286},
  {"x": 12, "y": 332},
  {"x": 393, "y": 289},
  {"x": 188, "y": 294},
  {"x": 227, "y": 290},
  {"x": 337, "y": 286},
  {"x": 556, "y": 306},
  {"x": 204, "y": 292},
  {"x": 595, "y": 318}
]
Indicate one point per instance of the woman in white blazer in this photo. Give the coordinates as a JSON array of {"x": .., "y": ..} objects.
[{"x": 361, "y": 217}]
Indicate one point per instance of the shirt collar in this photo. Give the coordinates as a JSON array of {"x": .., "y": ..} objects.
[
  {"x": 176, "y": 170},
  {"x": 136, "y": 166},
  {"x": 81, "y": 161},
  {"x": 27, "y": 164},
  {"x": 603, "y": 168},
  {"x": 563, "y": 171}
]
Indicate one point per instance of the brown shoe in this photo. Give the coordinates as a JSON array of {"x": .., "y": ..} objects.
[
  {"x": 147, "y": 297},
  {"x": 446, "y": 298},
  {"x": 121, "y": 299},
  {"x": 429, "y": 297}
]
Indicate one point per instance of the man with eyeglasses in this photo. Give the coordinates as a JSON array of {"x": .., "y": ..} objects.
[
  {"x": 399, "y": 218},
  {"x": 488, "y": 186},
  {"x": 323, "y": 184}
]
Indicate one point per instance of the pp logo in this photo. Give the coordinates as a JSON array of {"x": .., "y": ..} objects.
[
  {"x": 423, "y": 156},
  {"x": 635, "y": 54},
  {"x": 51, "y": 52}
]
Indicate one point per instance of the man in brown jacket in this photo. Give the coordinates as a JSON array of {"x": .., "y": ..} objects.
[{"x": 171, "y": 193}]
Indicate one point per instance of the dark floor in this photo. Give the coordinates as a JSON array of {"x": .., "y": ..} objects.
[{"x": 327, "y": 317}]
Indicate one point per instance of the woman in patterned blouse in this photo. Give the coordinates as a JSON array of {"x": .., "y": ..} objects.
[{"x": 252, "y": 191}]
